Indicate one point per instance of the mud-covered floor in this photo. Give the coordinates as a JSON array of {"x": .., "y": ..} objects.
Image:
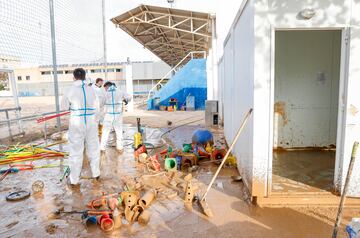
[
  {"x": 233, "y": 215},
  {"x": 303, "y": 171}
]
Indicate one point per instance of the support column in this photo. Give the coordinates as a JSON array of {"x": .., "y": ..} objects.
[
  {"x": 104, "y": 40},
  {"x": 211, "y": 65},
  {"x": 129, "y": 86},
  {"x": 214, "y": 59},
  {"x": 209, "y": 76}
]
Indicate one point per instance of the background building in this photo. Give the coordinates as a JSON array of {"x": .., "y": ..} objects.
[
  {"x": 146, "y": 74},
  {"x": 38, "y": 81}
]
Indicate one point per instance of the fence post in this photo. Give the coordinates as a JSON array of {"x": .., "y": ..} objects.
[
  {"x": 53, "y": 46},
  {"x": 16, "y": 99},
  {"x": 8, "y": 123},
  {"x": 104, "y": 40}
]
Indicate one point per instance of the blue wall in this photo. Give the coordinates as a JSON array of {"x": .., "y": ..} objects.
[{"x": 189, "y": 80}]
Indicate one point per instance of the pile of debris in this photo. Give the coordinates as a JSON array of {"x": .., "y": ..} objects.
[
  {"x": 189, "y": 157},
  {"x": 110, "y": 211},
  {"x": 164, "y": 180}
]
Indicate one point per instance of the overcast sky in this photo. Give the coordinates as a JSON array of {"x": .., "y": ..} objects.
[
  {"x": 121, "y": 45},
  {"x": 78, "y": 25}
]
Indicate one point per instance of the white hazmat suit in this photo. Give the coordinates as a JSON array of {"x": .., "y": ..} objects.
[
  {"x": 100, "y": 93},
  {"x": 83, "y": 129},
  {"x": 113, "y": 116}
]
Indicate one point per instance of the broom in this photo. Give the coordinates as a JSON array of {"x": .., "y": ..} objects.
[
  {"x": 345, "y": 190},
  {"x": 203, "y": 204}
]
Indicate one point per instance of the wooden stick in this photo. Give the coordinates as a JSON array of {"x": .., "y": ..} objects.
[
  {"x": 228, "y": 152},
  {"x": 346, "y": 186}
]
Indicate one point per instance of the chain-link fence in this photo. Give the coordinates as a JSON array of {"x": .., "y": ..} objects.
[{"x": 26, "y": 59}]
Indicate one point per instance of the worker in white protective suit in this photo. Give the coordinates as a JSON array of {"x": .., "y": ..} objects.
[
  {"x": 113, "y": 119},
  {"x": 81, "y": 100},
  {"x": 100, "y": 93}
]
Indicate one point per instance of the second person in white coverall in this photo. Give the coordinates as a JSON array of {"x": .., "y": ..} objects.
[
  {"x": 113, "y": 114},
  {"x": 81, "y": 100},
  {"x": 100, "y": 93}
]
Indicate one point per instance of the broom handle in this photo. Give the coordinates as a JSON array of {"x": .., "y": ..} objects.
[
  {"x": 346, "y": 186},
  {"x": 228, "y": 152}
]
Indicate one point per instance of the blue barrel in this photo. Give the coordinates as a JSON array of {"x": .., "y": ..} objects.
[{"x": 202, "y": 137}]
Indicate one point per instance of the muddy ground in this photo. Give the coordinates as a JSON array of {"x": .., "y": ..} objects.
[{"x": 234, "y": 216}]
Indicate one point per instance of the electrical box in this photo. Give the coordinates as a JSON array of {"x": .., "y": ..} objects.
[
  {"x": 211, "y": 113},
  {"x": 211, "y": 106}
]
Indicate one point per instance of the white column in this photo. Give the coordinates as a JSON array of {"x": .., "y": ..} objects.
[
  {"x": 104, "y": 40},
  {"x": 129, "y": 86},
  {"x": 215, "y": 80},
  {"x": 211, "y": 65},
  {"x": 209, "y": 78}
]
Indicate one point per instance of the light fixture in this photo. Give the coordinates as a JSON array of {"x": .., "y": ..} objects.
[{"x": 307, "y": 13}]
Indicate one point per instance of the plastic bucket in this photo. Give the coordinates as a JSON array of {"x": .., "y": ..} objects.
[
  {"x": 106, "y": 223},
  {"x": 170, "y": 164}
]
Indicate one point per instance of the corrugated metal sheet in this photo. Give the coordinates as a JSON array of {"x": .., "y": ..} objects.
[{"x": 169, "y": 33}]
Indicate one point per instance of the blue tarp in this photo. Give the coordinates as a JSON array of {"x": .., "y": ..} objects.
[{"x": 189, "y": 80}]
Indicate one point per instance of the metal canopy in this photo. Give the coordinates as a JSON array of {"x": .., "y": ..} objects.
[{"x": 168, "y": 33}]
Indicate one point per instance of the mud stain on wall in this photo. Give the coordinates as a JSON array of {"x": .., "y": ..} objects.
[{"x": 280, "y": 108}]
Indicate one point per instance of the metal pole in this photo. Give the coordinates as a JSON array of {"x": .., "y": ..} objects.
[
  {"x": 9, "y": 124},
  {"x": 53, "y": 44},
  {"x": 345, "y": 190},
  {"x": 129, "y": 86},
  {"x": 104, "y": 39},
  {"x": 16, "y": 99}
]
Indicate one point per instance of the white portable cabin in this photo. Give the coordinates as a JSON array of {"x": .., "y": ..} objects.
[{"x": 297, "y": 64}]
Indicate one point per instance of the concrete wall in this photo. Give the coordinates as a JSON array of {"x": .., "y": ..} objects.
[
  {"x": 90, "y": 77},
  {"x": 150, "y": 70},
  {"x": 307, "y": 73},
  {"x": 143, "y": 86},
  {"x": 147, "y": 74},
  {"x": 33, "y": 74},
  {"x": 237, "y": 81},
  {"x": 47, "y": 88},
  {"x": 41, "y": 88},
  {"x": 65, "y": 73},
  {"x": 351, "y": 130}
]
